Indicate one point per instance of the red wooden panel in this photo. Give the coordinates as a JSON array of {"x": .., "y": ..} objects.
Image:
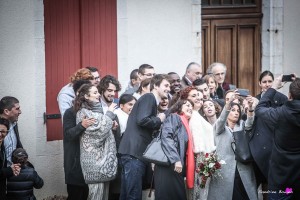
[
  {"x": 78, "y": 33},
  {"x": 62, "y": 54},
  {"x": 99, "y": 35}
]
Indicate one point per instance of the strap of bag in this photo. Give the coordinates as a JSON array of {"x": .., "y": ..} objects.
[{"x": 151, "y": 185}]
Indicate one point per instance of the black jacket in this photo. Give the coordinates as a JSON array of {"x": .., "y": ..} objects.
[
  {"x": 142, "y": 121},
  {"x": 262, "y": 137},
  {"x": 5, "y": 172},
  {"x": 71, "y": 143},
  {"x": 21, "y": 187},
  {"x": 285, "y": 158}
]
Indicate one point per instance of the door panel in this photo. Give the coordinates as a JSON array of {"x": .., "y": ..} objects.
[
  {"x": 78, "y": 33},
  {"x": 236, "y": 43}
]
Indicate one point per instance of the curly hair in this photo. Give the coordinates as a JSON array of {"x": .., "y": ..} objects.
[
  {"x": 82, "y": 74},
  {"x": 218, "y": 108},
  {"x": 184, "y": 94},
  {"x": 105, "y": 81},
  {"x": 19, "y": 155},
  {"x": 80, "y": 98}
]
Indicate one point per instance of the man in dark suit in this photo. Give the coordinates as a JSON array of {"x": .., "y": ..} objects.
[
  {"x": 284, "y": 173},
  {"x": 10, "y": 110},
  {"x": 142, "y": 121}
]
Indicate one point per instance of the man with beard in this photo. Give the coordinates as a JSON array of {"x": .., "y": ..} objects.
[
  {"x": 142, "y": 122},
  {"x": 108, "y": 88}
]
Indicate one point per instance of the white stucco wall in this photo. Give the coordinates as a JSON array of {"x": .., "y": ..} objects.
[
  {"x": 22, "y": 72},
  {"x": 162, "y": 33},
  {"x": 291, "y": 30}
]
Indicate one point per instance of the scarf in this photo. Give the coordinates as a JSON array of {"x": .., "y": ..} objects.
[
  {"x": 93, "y": 106},
  {"x": 203, "y": 136},
  {"x": 190, "y": 159}
]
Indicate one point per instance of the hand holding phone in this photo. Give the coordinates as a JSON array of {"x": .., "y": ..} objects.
[
  {"x": 243, "y": 92},
  {"x": 287, "y": 78}
]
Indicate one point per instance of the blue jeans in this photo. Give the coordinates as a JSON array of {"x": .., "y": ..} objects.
[{"x": 132, "y": 174}]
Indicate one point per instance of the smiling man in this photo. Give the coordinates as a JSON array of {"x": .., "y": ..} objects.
[
  {"x": 175, "y": 86},
  {"x": 10, "y": 110},
  {"x": 108, "y": 87},
  {"x": 142, "y": 121}
]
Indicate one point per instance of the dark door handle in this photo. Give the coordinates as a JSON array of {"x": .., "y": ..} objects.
[{"x": 51, "y": 116}]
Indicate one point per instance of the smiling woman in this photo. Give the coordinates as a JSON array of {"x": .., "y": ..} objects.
[
  {"x": 176, "y": 141},
  {"x": 97, "y": 144}
]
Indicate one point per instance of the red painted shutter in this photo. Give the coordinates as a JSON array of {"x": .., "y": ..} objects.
[{"x": 78, "y": 33}]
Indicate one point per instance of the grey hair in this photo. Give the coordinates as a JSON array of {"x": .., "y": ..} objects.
[{"x": 210, "y": 68}]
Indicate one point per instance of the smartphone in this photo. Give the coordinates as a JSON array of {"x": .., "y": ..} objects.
[
  {"x": 243, "y": 92},
  {"x": 287, "y": 78}
]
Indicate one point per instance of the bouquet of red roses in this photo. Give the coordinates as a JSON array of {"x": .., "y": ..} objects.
[{"x": 208, "y": 165}]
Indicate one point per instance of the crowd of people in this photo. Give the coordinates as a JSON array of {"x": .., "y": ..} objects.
[{"x": 194, "y": 116}]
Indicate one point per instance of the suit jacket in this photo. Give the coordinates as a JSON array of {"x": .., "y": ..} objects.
[
  {"x": 262, "y": 137},
  {"x": 285, "y": 157},
  {"x": 142, "y": 121},
  {"x": 185, "y": 82}
]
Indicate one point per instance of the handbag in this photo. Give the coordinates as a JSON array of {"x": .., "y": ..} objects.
[
  {"x": 154, "y": 152},
  {"x": 241, "y": 143}
]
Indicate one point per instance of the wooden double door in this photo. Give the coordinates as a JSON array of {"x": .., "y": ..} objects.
[{"x": 234, "y": 39}]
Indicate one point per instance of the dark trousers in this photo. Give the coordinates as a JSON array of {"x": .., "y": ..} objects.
[
  {"x": 239, "y": 192},
  {"x": 76, "y": 192},
  {"x": 133, "y": 171}
]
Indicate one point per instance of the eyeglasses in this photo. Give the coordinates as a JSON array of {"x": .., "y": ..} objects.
[
  {"x": 97, "y": 77},
  {"x": 220, "y": 74},
  {"x": 3, "y": 131}
]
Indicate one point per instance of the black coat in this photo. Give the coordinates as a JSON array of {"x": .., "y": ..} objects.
[
  {"x": 5, "y": 172},
  {"x": 262, "y": 137},
  {"x": 21, "y": 187},
  {"x": 285, "y": 158},
  {"x": 142, "y": 121},
  {"x": 71, "y": 143}
]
